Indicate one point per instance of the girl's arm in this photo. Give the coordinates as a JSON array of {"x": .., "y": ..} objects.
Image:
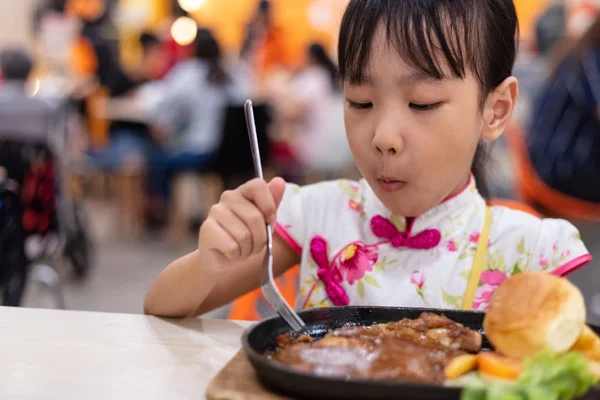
[
  {"x": 231, "y": 248},
  {"x": 192, "y": 285}
]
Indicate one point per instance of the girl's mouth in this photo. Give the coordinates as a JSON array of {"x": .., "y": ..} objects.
[{"x": 390, "y": 185}]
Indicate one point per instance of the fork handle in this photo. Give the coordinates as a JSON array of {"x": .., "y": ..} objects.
[{"x": 251, "y": 124}]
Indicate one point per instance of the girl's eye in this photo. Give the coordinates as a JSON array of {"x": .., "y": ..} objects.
[
  {"x": 360, "y": 106},
  {"x": 425, "y": 107}
]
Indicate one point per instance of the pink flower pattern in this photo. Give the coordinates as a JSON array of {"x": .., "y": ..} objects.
[
  {"x": 452, "y": 246},
  {"x": 418, "y": 279},
  {"x": 355, "y": 260},
  {"x": 350, "y": 265},
  {"x": 483, "y": 297},
  {"x": 490, "y": 280},
  {"x": 474, "y": 238},
  {"x": 354, "y": 206}
]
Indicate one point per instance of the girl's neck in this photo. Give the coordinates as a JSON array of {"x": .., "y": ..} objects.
[{"x": 460, "y": 188}]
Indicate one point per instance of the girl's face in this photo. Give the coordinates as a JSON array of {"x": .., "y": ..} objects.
[{"x": 413, "y": 136}]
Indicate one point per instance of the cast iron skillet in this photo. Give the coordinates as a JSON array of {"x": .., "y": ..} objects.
[{"x": 284, "y": 379}]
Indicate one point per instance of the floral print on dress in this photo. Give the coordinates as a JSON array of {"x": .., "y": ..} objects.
[
  {"x": 451, "y": 246},
  {"x": 555, "y": 258},
  {"x": 496, "y": 271},
  {"x": 354, "y": 206},
  {"x": 490, "y": 280},
  {"x": 353, "y": 192},
  {"x": 373, "y": 272},
  {"x": 356, "y": 259},
  {"x": 418, "y": 279},
  {"x": 349, "y": 265}
]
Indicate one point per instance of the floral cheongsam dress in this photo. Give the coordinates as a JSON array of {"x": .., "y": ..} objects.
[{"x": 355, "y": 252}]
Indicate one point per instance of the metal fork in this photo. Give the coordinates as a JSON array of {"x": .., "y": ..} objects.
[{"x": 269, "y": 289}]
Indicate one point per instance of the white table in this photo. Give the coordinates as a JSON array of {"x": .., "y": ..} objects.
[{"x": 48, "y": 354}]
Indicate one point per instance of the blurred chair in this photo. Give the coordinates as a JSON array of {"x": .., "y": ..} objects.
[
  {"x": 246, "y": 308},
  {"x": 533, "y": 191},
  {"x": 232, "y": 166},
  {"x": 53, "y": 225}
]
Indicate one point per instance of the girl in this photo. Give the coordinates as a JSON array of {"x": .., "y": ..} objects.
[
  {"x": 194, "y": 94},
  {"x": 425, "y": 81}
]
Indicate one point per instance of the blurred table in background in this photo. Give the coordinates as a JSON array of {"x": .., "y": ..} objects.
[{"x": 82, "y": 355}]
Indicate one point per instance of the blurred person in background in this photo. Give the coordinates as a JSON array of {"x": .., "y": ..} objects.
[
  {"x": 15, "y": 67},
  {"x": 564, "y": 139},
  {"x": 95, "y": 52},
  {"x": 581, "y": 15},
  {"x": 131, "y": 142},
  {"x": 27, "y": 120},
  {"x": 157, "y": 57},
  {"x": 312, "y": 114},
  {"x": 188, "y": 109},
  {"x": 534, "y": 58},
  {"x": 264, "y": 46},
  {"x": 154, "y": 56},
  {"x": 22, "y": 116},
  {"x": 550, "y": 28}
]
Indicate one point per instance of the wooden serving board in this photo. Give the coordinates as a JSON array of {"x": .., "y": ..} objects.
[{"x": 238, "y": 381}]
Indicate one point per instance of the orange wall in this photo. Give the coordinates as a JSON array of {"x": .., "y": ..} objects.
[{"x": 228, "y": 18}]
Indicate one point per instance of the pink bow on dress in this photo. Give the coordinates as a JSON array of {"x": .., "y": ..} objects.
[{"x": 384, "y": 229}]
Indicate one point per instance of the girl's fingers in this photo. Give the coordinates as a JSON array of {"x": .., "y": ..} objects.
[
  {"x": 220, "y": 240},
  {"x": 235, "y": 227},
  {"x": 257, "y": 191},
  {"x": 254, "y": 220}
]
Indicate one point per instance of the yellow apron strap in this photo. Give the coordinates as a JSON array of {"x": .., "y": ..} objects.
[{"x": 478, "y": 260}]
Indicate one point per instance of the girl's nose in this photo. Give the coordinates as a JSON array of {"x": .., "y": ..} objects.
[{"x": 388, "y": 140}]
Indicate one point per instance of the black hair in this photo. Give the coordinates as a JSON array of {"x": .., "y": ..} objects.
[
  {"x": 15, "y": 64},
  {"x": 148, "y": 40},
  {"x": 208, "y": 50},
  {"x": 477, "y": 36},
  {"x": 318, "y": 54}
]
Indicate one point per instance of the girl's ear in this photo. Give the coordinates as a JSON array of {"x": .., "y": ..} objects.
[{"x": 499, "y": 108}]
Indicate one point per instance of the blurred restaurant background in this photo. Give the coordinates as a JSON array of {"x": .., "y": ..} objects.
[{"x": 103, "y": 98}]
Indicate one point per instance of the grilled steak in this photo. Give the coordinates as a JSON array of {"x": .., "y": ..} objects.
[{"x": 414, "y": 350}]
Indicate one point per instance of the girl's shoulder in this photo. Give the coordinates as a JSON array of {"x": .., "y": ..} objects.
[
  {"x": 322, "y": 208},
  {"x": 339, "y": 199},
  {"x": 533, "y": 243}
]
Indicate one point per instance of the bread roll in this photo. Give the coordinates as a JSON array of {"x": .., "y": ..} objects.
[{"x": 534, "y": 311}]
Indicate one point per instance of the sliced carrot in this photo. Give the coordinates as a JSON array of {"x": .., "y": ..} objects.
[
  {"x": 460, "y": 366},
  {"x": 496, "y": 365}
]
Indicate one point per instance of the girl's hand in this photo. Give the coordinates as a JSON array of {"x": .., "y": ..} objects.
[{"x": 235, "y": 227}]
